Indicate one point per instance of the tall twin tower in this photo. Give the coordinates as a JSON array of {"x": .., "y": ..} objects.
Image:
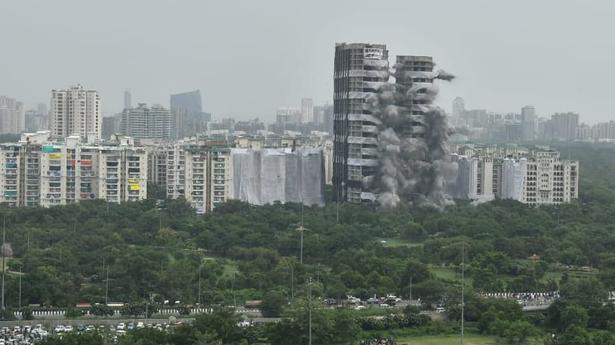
[{"x": 381, "y": 127}]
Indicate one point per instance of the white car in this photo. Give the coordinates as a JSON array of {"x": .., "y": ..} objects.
[
  {"x": 68, "y": 328},
  {"x": 121, "y": 326}
]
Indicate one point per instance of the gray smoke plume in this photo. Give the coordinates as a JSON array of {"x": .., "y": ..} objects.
[{"x": 412, "y": 150}]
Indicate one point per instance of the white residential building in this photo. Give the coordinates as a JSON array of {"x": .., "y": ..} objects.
[
  {"x": 307, "y": 110},
  {"x": 12, "y": 115},
  {"x": 35, "y": 172},
  {"x": 75, "y": 111},
  {"x": 532, "y": 177},
  {"x": 146, "y": 122}
]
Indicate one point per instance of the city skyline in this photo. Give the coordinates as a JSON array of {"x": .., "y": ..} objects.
[{"x": 498, "y": 52}]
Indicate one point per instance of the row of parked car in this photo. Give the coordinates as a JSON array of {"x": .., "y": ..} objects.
[{"x": 22, "y": 335}]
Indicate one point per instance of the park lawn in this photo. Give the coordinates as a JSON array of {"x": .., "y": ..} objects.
[
  {"x": 230, "y": 267},
  {"x": 444, "y": 273}
]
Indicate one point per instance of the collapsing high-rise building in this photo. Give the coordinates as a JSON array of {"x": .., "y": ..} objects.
[{"x": 390, "y": 141}]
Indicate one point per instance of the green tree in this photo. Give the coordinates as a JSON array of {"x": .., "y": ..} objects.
[
  {"x": 222, "y": 322},
  {"x": 76, "y": 339},
  {"x": 575, "y": 336},
  {"x": 574, "y": 315},
  {"x": 584, "y": 291},
  {"x": 273, "y": 304}
]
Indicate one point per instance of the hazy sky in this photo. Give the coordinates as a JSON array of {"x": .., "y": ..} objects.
[{"x": 249, "y": 57}]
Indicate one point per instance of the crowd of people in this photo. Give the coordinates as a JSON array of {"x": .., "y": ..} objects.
[
  {"x": 527, "y": 298},
  {"x": 379, "y": 341}
]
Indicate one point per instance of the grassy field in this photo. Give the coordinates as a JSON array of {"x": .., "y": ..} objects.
[{"x": 444, "y": 273}]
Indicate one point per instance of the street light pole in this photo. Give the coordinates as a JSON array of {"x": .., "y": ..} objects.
[
  {"x": 292, "y": 283},
  {"x": 107, "y": 287},
  {"x": 301, "y": 229},
  {"x": 463, "y": 271},
  {"x": 199, "y": 291},
  {"x": 3, "y": 257},
  {"x": 310, "y": 311},
  {"x": 20, "y": 287}
]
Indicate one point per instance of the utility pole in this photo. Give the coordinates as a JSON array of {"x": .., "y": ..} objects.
[
  {"x": 292, "y": 283},
  {"x": 410, "y": 290},
  {"x": 463, "y": 282},
  {"x": 107, "y": 288},
  {"x": 3, "y": 257},
  {"x": 337, "y": 210},
  {"x": 20, "y": 287},
  {"x": 233, "y": 290},
  {"x": 301, "y": 230},
  {"x": 199, "y": 290},
  {"x": 310, "y": 311}
]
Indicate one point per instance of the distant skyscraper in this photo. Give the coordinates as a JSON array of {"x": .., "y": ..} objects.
[
  {"x": 110, "y": 125},
  {"x": 528, "y": 122},
  {"x": 75, "y": 111},
  {"x": 12, "y": 115},
  {"x": 42, "y": 109},
  {"x": 143, "y": 122},
  {"x": 459, "y": 107},
  {"x": 307, "y": 110},
  {"x": 189, "y": 118},
  {"x": 127, "y": 99},
  {"x": 286, "y": 118},
  {"x": 36, "y": 120},
  {"x": 564, "y": 126},
  {"x": 359, "y": 69}
]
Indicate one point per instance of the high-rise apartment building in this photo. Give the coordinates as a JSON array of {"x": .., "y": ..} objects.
[
  {"x": 528, "y": 123},
  {"x": 37, "y": 172},
  {"x": 12, "y": 115},
  {"x": 287, "y": 118},
  {"x": 564, "y": 126},
  {"x": 459, "y": 106},
  {"x": 307, "y": 110},
  {"x": 111, "y": 125},
  {"x": 146, "y": 122},
  {"x": 534, "y": 178},
  {"x": 359, "y": 70},
  {"x": 75, "y": 111},
  {"x": 127, "y": 99},
  {"x": 415, "y": 72},
  {"x": 200, "y": 172}
]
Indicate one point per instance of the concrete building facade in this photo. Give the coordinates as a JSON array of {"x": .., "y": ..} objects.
[
  {"x": 12, "y": 115},
  {"x": 537, "y": 177},
  {"x": 75, "y": 111},
  {"x": 37, "y": 172},
  {"x": 359, "y": 69},
  {"x": 145, "y": 122},
  {"x": 307, "y": 110}
]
